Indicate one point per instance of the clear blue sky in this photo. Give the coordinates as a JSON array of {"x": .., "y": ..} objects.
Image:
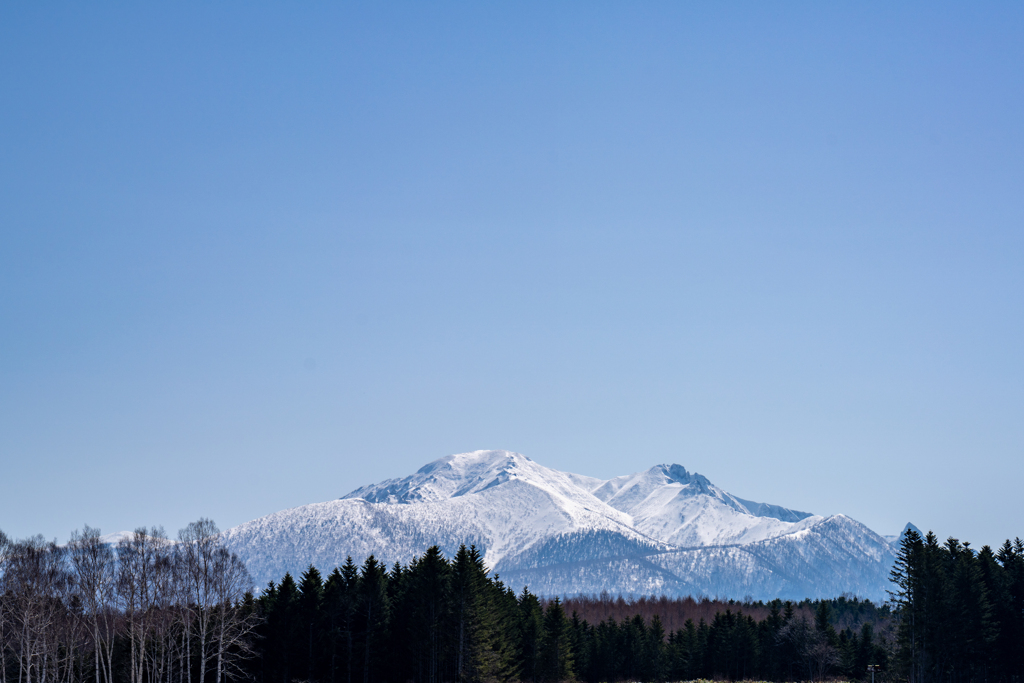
[{"x": 255, "y": 255}]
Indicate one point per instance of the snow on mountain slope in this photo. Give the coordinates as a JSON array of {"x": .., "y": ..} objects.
[
  {"x": 896, "y": 539},
  {"x": 116, "y": 537},
  {"x": 515, "y": 500},
  {"x": 472, "y": 473},
  {"x": 324, "y": 534},
  {"x": 659, "y": 531},
  {"x": 502, "y": 502},
  {"x": 828, "y": 557},
  {"x": 670, "y": 504}
]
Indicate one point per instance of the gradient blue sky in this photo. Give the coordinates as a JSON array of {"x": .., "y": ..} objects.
[{"x": 253, "y": 256}]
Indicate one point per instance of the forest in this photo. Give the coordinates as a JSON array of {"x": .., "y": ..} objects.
[
  {"x": 143, "y": 610},
  {"x": 149, "y": 609},
  {"x": 961, "y": 612}
]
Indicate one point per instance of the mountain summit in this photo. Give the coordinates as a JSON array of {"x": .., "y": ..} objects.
[
  {"x": 660, "y": 531},
  {"x": 469, "y": 473}
]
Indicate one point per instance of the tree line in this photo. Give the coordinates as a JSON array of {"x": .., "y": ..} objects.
[
  {"x": 143, "y": 610},
  {"x": 961, "y": 612},
  {"x": 847, "y": 611},
  {"x": 149, "y": 609},
  {"x": 437, "y": 620}
]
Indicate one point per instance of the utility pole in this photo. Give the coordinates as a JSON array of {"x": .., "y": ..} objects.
[{"x": 872, "y": 668}]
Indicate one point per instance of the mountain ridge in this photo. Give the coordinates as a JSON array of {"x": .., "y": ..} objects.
[{"x": 662, "y": 530}]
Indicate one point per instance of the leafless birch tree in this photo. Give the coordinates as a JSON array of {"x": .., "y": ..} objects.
[
  {"x": 5, "y": 547},
  {"x": 94, "y": 566},
  {"x": 167, "y": 618},
  {"x": 36, "y": 580},
  {"x": 176, "y": 608},
  {"x": 233, "y": 625},
  {"x": 197, "y": 546}
]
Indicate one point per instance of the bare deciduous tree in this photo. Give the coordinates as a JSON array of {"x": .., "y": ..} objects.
[
  {"x": 93, "y": 562},
  {"x": 36, "y": 583},
  {"x": 166, "y": 623},
  {"x": 5, "y": 546},
  {"x": 175, "y": 607},
  {"x": 233, "y": 626},
  {"x": 197, "y": 545}
]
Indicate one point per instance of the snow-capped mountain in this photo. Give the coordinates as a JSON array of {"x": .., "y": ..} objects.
[
  {"x": 662, "y": 531},
  {"x": 668, "y": 503},
  {"x": 898, "y": 538}
]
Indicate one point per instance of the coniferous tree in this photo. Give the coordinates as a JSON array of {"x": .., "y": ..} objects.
[
  {"x": 768, "y": 635},
  {"x": 481, "y": 612},
  {"x": 340, "y": 602},
  {"x": 972, "y": 628},
  {"x": 959, "y": 616},
  {"x": 580, "y": 641},
  {"x": 531, "y": 629},
  {"x": 373, "y": 613},
  {"x": 311, "y": 591},
  {"x": 473, "y": 628},
  {"x": 632, "y": 636},
  {"x": 685, "y": 657},
  {"x": 822, "y": 648},
  {"x": 605, "y": 664},
  {"x": 556, "y": 663},
  {"x": 429, "y": 602},
  {"x": 507, "y": 631},
  {"x": 654, "y": 650},
  {"x": 1011, "y": 639},
  {"x": 283, "y": 625},
  {"x": 997, "y": 587},
  {"x": 907, "y": 599}
]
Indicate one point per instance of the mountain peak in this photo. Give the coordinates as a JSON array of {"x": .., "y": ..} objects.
[
  {"x": 673, "y": 472},
  {"x": 627, "y": 492},
  {"x": 663, "y": 529},
  {"x": 897, "y": 539},
  {"x": 678, "y": 474},
  {"x": 475, "y": 463},
  {"x": 452, "y": 476}
]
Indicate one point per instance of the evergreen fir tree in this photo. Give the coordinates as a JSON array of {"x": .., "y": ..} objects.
[
  {"x": 338, "y": 612},
  {"x": 474, "y": 656},
  {"x": 556, "y": 650},
  {"x": 1011, "y": 559},
  {"x": 341, "y": 596},
  {"x": 823, "y": 622},
  {"x": 373, "y": 613},
  {"x": 531, "y": 628},
  {"x": 605, "y": 661},
  {"x": 631, "y": 641},
  {"x": 969, "y": 606},
  {"x": 507, "y": 627},
  {"x": 655, "y": 650},
  {"x": 309, "y": 604},
  {"x": 581, "y": 644},
  {"x": 906, "y": 598},
  {"x": 281, "y": 607},
  {"x": 429, "y": 612}
]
